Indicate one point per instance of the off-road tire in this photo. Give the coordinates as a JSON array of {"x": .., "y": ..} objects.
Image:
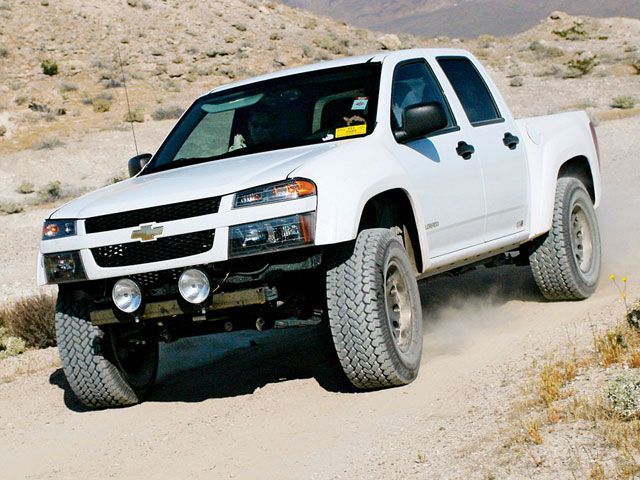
[
  {"x": 558, "y": 260},
  {"x": 88, "y": 360},
  {"x": 368, "y": 346}
]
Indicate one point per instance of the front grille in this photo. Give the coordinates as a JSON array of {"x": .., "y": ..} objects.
[
  {"x": 158, "y": 214},
  {"x": 164, "y": 248}
]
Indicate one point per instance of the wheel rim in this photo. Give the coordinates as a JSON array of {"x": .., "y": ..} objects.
[
  {"x": 398, "y": 306},
  {"x": 581, "y": 239},
  {"x": 135, "y": 356}
]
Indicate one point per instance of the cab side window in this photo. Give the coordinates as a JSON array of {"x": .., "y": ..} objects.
[
  {"x": 474, "y": 95},
  {"x": 414, "y": 83}
]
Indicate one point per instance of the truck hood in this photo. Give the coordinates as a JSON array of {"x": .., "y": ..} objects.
[{"x": 216, "y": 178}]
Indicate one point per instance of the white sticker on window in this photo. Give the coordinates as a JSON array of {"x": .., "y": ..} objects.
[{"x": 360, "y": 103}]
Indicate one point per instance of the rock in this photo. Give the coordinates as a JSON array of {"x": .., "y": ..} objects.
[
  {"x": 175, "y": 70},
  {"x": 390, "y": 41}
]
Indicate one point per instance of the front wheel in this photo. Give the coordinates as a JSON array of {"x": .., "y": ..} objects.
[
  {"x": 105, "y": 367},
  {"x": 566, "y": 261},
  {"x": 375, "y": 313}
]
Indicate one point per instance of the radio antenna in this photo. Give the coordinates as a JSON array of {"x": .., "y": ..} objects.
[{"x": 126, "y": 94}]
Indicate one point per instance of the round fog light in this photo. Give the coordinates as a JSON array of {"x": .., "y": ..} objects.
[
  {"x": 194, "y": 286},
  {"x": 126, "y": 295}
]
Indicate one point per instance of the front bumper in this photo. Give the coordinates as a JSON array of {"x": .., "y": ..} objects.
[{"x": 220, "y": 222}]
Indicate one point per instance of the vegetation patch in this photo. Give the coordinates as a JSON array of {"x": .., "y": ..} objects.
[
  {"x": 624, "y": 102},
  {"x": 31, "y": 319},
  {"x": 49, "y": 67}
]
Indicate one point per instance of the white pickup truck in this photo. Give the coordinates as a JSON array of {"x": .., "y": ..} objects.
[{"x": 323, "y": 192}]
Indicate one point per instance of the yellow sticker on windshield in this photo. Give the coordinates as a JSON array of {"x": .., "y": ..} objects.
[{"x": 351, "y": 131}]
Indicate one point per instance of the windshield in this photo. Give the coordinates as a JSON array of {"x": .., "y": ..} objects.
[{"x": 316, "y": 107}]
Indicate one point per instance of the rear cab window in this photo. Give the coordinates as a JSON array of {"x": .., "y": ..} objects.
[{"x": 472, "y": 91}]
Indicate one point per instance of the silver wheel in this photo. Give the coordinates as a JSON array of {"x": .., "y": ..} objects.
[
  {"x": 398, "y": 306},
  {"x": 581, "y": 238}
]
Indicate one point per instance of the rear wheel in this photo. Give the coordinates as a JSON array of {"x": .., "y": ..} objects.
[
  {"x": 375, "y": 313},
  {"x": 107, "y": 367},
  {"x": 566, "y": 261}
]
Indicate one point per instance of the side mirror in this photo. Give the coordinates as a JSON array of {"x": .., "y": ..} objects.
[
  {"x": 420, "y": 120},
  {"x": 137, "y": 163}
]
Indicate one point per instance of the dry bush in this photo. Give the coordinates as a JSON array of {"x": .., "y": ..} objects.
[
  {"x": 3, "y": 130},
  {"x": 134, "y": 116},
  {"x": 26, "y": 188},
  {"x": 101, "y": 105},
  {"x": 553, "y": 377},
  {"x": 574, "y": 32},
  {"x": 9, "y": 208},
  {"x": 50, "y": 193},
  {"x": 167, "y": 113},
  {"x": 46, "y": 143},
  {"x": 32, "y": 319},
  {"x": 624, "y": 102},
  {"x": 581, "y": 65}
]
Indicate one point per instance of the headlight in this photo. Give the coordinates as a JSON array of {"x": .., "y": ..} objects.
[
  {"x": 275, "y": 192},
  {"x": 58, "y": 229},
  {"x": 126, "y": 295},
  {"x": 275, "y": 234},
  {"x": 63, "y": 267},
  {"x": 194, "y": 286}
]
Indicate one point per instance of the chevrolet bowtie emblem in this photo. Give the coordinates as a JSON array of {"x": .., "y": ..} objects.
[{"x": 146, "y": 233}]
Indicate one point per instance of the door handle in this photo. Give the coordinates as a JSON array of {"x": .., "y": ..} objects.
[
  {"x": 465, "y": 150},
  {"x": 510, "y": 141}
]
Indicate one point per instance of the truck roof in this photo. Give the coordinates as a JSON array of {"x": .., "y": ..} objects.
[{"x": 394, "y": 56}]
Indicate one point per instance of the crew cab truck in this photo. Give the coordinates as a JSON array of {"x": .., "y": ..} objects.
[{"x": 320, "y": 193}]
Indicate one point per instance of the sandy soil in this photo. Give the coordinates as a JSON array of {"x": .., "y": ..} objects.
[{"x": 274, "y": 405}]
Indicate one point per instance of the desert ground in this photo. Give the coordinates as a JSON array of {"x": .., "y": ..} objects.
[{"x": 274, "y": 405}]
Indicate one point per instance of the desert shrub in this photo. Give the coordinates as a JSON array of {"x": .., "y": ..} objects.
[
  {"x": 3, "y": 130},
  {"x": 101, "y": 105},
  {"x": 581, "y": 65},
  {"x": 4, "y": 52},
  {"x": 168, "y": 112},
  {"x": 486, "y": 41},
  {"x": 32, "y": 319},
  {"x": 623, "y": 395},
  {"x": 543, "y": 51},
  {"x": 331, "y": 45},
  {"x": 26, "y": 188},
  {"x": 49, "y": 67},
  {"x": 574, "y": 32},
  {"x": 68, "y": 87},
  {"x": 111, "y": 83},
  {"x": 623, "y": 102},
  {"x": 636, "y": 67},
  {"x": 10, "y": 346},
  {"x": 46, "y": 143},
  {"x": 275, "y": 36},
  {"x": 9, "y": 208},
  {"x": 241, "y": 27},
  {"x": 51, "y": 192},
  {"x": 516, "y": 82},
  {"x": 134, "y": 116}
]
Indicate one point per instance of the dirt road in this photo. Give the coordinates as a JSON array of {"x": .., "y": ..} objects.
[{"x": 273, "y": 405}]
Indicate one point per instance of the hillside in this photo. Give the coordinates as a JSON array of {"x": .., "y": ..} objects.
[
  {"x": 171, "y": 51},
  {"x": 464, "y": 19}
]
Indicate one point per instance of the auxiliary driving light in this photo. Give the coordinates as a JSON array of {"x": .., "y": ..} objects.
[
  {"x": 126, "y": 295},
  {"x": 194, "y": 286}
]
